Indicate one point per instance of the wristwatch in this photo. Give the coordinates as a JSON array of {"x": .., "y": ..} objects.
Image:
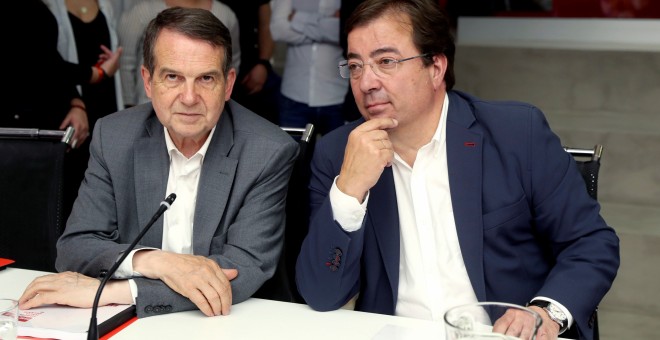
[{"x": 554, "y": 313}]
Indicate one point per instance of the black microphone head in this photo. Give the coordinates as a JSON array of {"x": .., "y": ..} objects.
[
  {"x": 167, "y": 202},
  {"x": 170, "y": 199}
]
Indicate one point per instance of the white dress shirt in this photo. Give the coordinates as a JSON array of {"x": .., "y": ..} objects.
[
  {"x": 432, "y": 275},
  {"x": 313, "y": 53},
  {"x": 178, "y": 220}
]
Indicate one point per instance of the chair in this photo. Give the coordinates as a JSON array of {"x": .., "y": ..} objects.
[
  {"x": 31, "y": 187},
  {"x": 588, "y": 162},
  {"x": 282, "y": 285}
]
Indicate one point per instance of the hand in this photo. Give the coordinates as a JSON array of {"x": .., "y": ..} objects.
[
  {"x": 549, "y": 329},
  {"x": 196, "y": 277},
  {"x": 110, "y": 61},
  {"x": 77, "y": 118},
  {"x": 254, "y": 81},
  {"x": 520, "y": 324},
  {"x": 367, "y": 153},
  {"x": 67, "y": 288}
]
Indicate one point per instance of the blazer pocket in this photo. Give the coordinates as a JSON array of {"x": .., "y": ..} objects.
[{"x": 500, "y": 216}]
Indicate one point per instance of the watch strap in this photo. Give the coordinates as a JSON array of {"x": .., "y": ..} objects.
[{"x": 553, "y": 312}]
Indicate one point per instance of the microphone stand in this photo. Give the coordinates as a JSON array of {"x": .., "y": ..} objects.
[{"x": 93, "y": 331}]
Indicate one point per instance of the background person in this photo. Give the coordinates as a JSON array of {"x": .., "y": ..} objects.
[
  {"x": 132, "y": 24},
  {"x": 311, "y": 91}
]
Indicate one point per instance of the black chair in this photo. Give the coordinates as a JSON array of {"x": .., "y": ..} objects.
[
  {"x": 282, "y": 286},
  {"x": 31, "y": 187},
  {"x": 588, "y": 162}
]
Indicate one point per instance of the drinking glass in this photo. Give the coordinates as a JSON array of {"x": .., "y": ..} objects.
[
  {"x": 8, "y": 319},
  {"x": 475, "y": 321}
]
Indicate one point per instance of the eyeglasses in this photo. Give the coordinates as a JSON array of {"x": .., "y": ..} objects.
[{"x": 383, "y": 67}]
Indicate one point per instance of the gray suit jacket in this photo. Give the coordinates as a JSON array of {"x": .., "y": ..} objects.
[{"x": 240, "y": 213}]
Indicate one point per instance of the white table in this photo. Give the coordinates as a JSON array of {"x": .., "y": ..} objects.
[{"x": 258, "y": 319}]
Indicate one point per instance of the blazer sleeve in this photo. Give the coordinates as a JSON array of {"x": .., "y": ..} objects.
[
  {"x": 328, "y": 267},
  {"x": 584, "y": 248}
]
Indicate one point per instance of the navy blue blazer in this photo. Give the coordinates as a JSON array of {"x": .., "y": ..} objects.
[{"x": 526, "y": 225}]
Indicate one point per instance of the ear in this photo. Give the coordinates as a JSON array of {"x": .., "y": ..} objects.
[
  {"x": 439, "y": 68},
  {"x": 229, "y": 85},
  {"x": 146, "y": 79}
]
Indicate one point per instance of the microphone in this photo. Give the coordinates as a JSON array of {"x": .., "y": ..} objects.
[{"x": 93, "y": 332}]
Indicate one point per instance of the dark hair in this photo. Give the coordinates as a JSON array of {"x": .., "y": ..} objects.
[
  {"x": 431, "y": 28},
  {"x": 195, "y": 23}
]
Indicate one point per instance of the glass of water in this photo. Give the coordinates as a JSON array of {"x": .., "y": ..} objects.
[
  {"x": 8, "y": 319},
  {"x": 476, "y": 321}
]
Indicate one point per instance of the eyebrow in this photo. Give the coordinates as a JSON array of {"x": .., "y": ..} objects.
[
  {"x": 375, "y": 53},
  {"x": 217, "y": 73}
]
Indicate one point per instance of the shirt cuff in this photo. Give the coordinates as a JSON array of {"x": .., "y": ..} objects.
[
  {"x": 347, "y": 210},
  {"x": 569, "y": 317},
  {"x": 134, "y": 290},
  {"x": 125, "y": 269}
]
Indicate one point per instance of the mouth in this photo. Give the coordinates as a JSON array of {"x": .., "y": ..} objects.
[
  {"x": 376, "y": 107},
  {"x": 188, "y": 116}
]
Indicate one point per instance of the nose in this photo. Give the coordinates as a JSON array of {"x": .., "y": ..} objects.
[
  {"x": 369, "y": 80},
  {"x": 189, "y": 93}
]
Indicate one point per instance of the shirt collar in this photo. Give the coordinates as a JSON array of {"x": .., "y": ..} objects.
[
  {"x": 440, "y": 131},
  {"x": 171, "y": 148}
]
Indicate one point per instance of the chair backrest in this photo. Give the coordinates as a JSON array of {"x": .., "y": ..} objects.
[
  {"x": 588, "y": 162},
  {"x": 282, "y": 285},
  {"x": 31, "y": 187}
]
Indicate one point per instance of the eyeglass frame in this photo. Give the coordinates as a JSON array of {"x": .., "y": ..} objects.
[{"x": 344, "y": 65}]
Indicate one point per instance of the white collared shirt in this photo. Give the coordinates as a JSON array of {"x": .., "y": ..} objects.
[
  {"x": 313, "y": 51},
  {"x": 183, "y": 180},
  {"x": 432, "y": 275},
  {"x": 178, "y": 220}
]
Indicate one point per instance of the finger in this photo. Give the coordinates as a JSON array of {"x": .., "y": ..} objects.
[
  {"x": 377, "y": 124},
  {"x": 223, "y": 289},
  {"x": 230, "y": 273},
  {"x": 212, "y": 294},
  {"x": 201, "y": 302}
]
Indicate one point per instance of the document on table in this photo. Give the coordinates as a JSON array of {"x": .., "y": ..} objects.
[{"x": 70, "y": 323}]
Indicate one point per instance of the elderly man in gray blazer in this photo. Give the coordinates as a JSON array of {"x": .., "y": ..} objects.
[{"x": 221, "y": 239}]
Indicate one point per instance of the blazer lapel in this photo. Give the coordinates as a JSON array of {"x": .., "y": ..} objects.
[
  {"x": 151, "y": 169},
  {"x": 215, "y": 184},
  {"x": 385, "y": 224},
  {"x": 464, "y": 159}
]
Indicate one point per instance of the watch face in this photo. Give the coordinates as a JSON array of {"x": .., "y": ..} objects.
[{"x": 556, "y": 312}]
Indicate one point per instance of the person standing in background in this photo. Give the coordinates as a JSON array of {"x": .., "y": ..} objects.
[
  {"x": 258, "y": 86},
  {"x": 86, "y": 39},
  {"x": 132, "y": 24},
  {"x": 36, "y": 99},
  {"x": 311, "y": 92}
]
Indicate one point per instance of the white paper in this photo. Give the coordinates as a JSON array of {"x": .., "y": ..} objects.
[{"x": 62, "y": 322}]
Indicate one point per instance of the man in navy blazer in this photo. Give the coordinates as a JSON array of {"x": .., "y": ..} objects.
[
  {"x": 222, "y": 237},
  {"x": 437, "y": 198}
]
